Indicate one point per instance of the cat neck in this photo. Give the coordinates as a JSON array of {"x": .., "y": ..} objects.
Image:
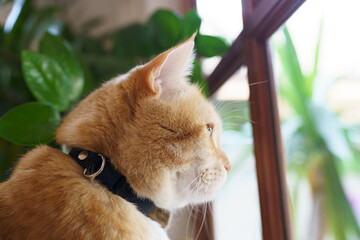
[{"x": 99, "y": 167}]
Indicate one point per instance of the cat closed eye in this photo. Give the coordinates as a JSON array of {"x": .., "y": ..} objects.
[
  {"x": 167, "y": 128},
  {"x": 210, "y": 128}
]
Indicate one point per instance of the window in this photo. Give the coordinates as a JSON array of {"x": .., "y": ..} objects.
[{"x": 261, "y": 18}]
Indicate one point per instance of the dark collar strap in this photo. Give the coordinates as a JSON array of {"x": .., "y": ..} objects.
[{"x": 112, "y": 179}]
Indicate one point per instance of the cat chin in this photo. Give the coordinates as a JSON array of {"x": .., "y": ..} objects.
[
  {"x": 170, "y": 206},
  {"x": 208, "y": 197},
  {"x": 180, "y": 202}
]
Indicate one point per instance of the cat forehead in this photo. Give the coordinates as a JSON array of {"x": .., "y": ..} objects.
[
  {"x": 122, "y": 77},
  {"x": 191, "y": 103}
]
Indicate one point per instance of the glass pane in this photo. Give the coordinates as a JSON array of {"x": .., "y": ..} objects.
[
  {"x": 237, "y": 209},
  {"x": 316, "y": 64},
  {"x": 220, "y": 18}
]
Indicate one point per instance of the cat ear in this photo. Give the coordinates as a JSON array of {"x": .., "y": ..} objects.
[{"x": 170, "y": 69}]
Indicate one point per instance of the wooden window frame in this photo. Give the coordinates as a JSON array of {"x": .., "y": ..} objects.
[{"x": 261, "y": 19}]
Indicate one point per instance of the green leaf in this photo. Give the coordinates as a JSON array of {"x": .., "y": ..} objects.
[
  {"x": 331, "y": 131},
  {"x": 1, "y": 35},
  {"x": 37, "y": 24},
  {"x": 309, "y": 80},
  {"x": 89, "y": 82},
  {"x": 291, "y": 66},
  {"x": 12, "y": 38},
  {"x": 164, "y": 28},
  {"x": 292, "y": 86},
  {"x": 133, "y": 41},
  {"x": 198, "y": 79},
  {"x": 191, "y": 23},
  {"x": 64, "y": 55},
  {"x": 5, "y": 75},
  {"x": 46, "y": 80},
  {"x": 105, "y": 67},
  {"x": 210, "y": 46},
  {"x": 352, "y": 134},
  {"x": 292, "y": 140},
  {"x": 340, "y": 214},
  {"x": 30, "y": 124},
  {"x": 87, "y": 45}
]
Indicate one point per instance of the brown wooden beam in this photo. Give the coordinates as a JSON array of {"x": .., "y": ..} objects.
[
  {"x": 267, "y": 16},
  {"x": 227, "y": 66},
  {"x": 260, "y": 23},
  {"x": 255, "y": 14},
  {"x": 272, "y": 19},
  {"x": 274, "y": 202}
]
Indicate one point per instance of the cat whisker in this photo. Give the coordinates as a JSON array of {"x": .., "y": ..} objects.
[
  {"x": 240, "y": 111},
  {"x": 216, "y": 104},
  {"x": 227, "y": 123},
  {"x": 233, "y": 116},
  {"x": 232, "y": 127},
  {"x": 234, "y": 109},
  {"x": 257, "y": 83},
  {"x": 210, "y": 208},
  {"x": 195, "y": 191},
  {"x": 231, "y": 123},
  {"x": 192, "y": 215},
  {"x": 194, "y": 180},
  {"x": 221, "y": 105},
  {"x": 202, "y": 222},
  {"x": 247, "y": 120},
  {"x": 188, "y": 222},
  {"x": 206, "y": 225}
]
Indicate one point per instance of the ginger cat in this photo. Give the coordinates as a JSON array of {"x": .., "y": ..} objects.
[{"x": 155, "y": 128}]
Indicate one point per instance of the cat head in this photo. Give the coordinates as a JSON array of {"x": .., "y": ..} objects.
[{"x": 156, "y": 128}]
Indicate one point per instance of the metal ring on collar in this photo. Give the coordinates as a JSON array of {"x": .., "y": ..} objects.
[{"x": 95, "y": 174}]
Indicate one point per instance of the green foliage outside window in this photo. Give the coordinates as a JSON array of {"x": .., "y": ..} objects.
[{"x": 318, "y": 148}]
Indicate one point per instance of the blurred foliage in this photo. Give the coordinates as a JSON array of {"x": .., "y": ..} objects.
[
  {"x": 317, "y": 148},
  {"x": 38, "y": 87}
]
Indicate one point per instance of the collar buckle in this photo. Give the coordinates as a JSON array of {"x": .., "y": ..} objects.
[
  {"x": 89, "y": 171},
  {"x": 97, "y": 166}
]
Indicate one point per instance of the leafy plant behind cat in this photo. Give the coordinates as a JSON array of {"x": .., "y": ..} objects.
[{"x": 64, "y": 69}]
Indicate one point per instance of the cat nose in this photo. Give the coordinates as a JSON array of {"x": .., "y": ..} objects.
[
  {"x": 227, "y": 166},
  {"x": 225, "y": 160}
]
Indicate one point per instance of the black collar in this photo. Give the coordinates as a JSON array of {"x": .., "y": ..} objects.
[{"x": 99, "y": 167}]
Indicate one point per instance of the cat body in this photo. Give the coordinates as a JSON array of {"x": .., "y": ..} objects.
[
  {"x": 48, "y": 198},
  {"x": 157, "y": 130}
]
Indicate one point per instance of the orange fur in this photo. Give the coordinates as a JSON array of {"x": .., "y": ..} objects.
[{"x": 154, "y": 134}]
